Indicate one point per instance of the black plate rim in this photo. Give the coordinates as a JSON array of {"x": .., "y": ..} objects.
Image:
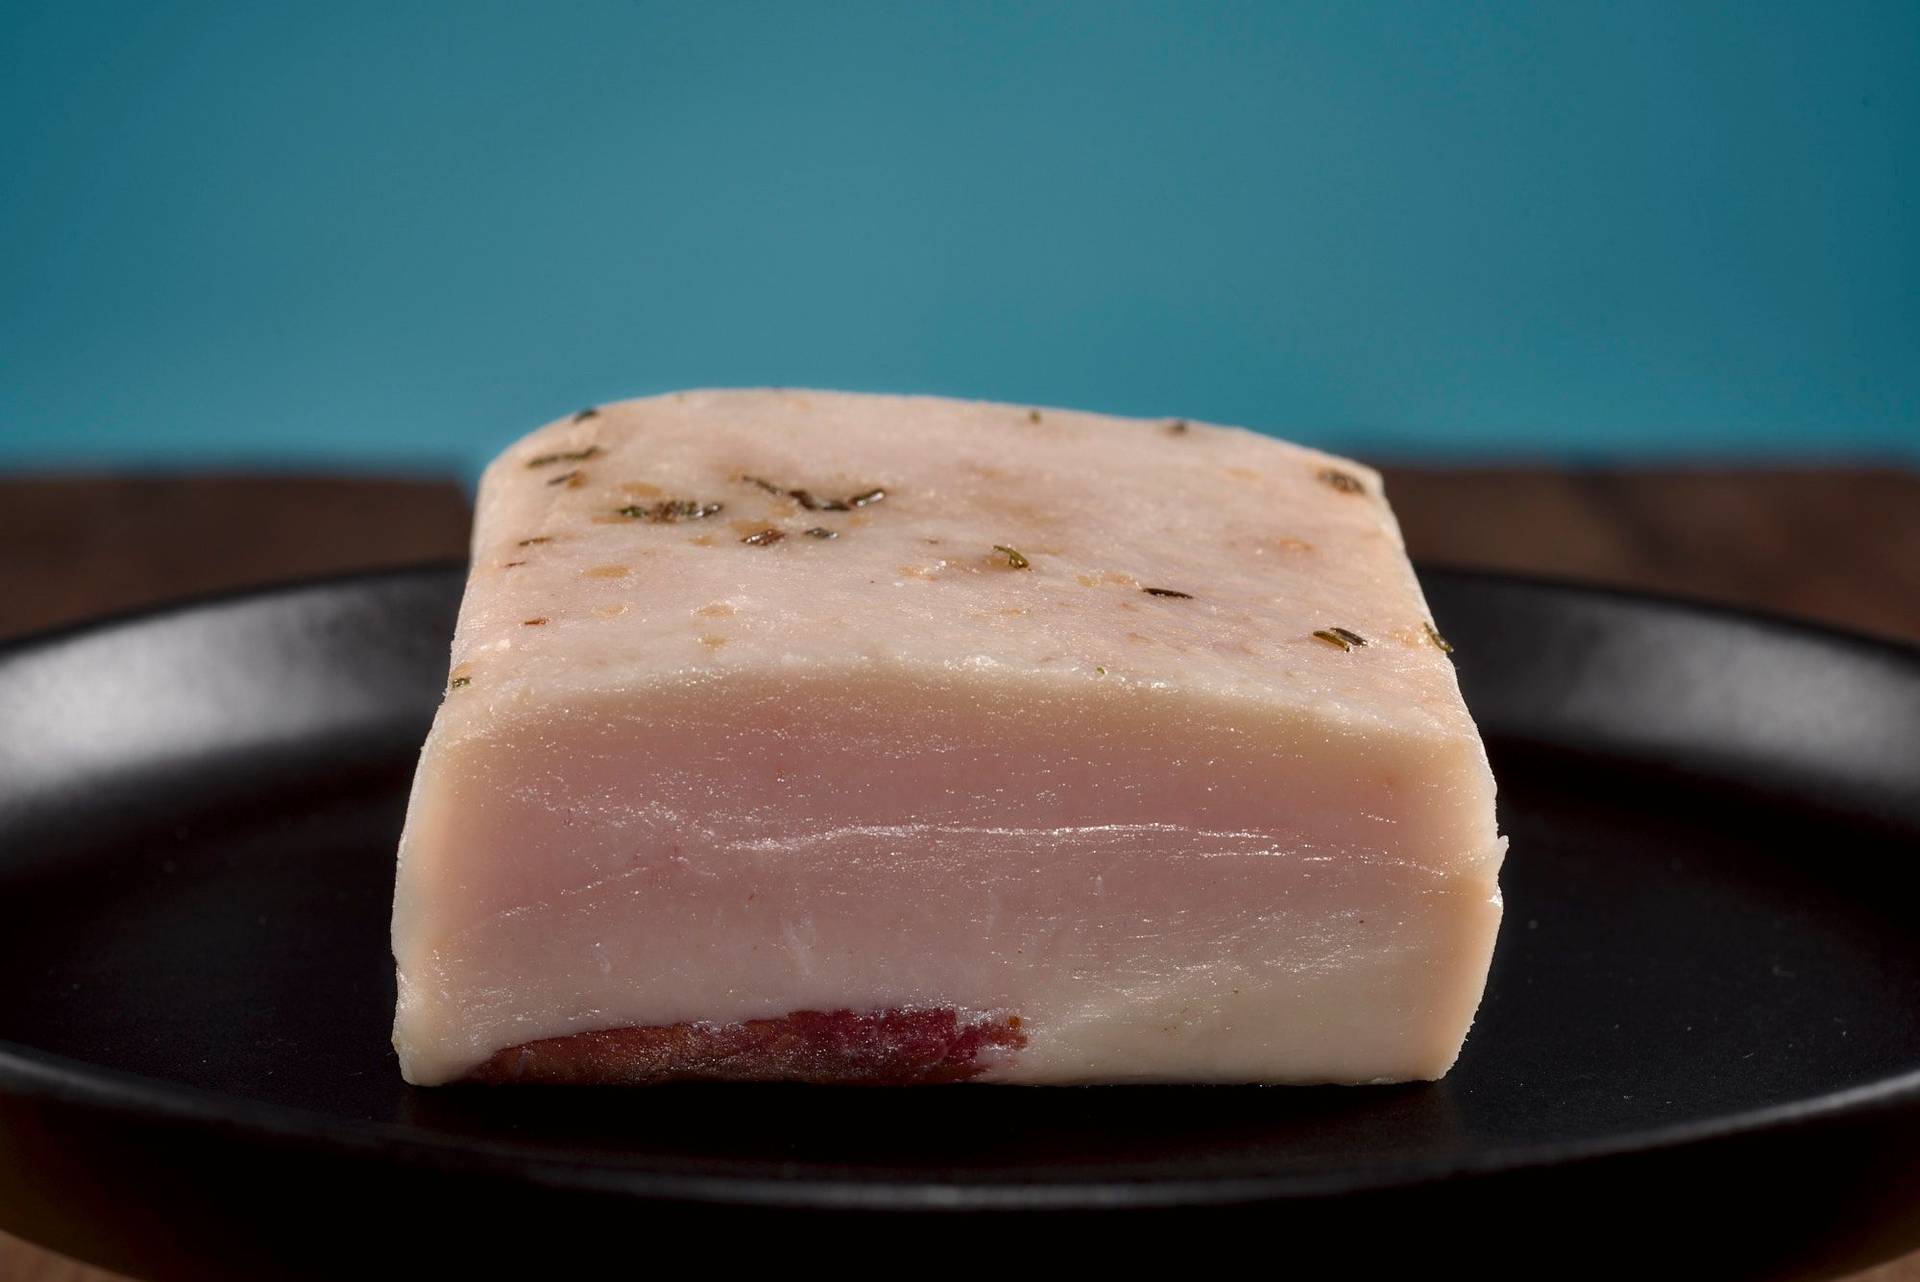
[
  {"x": 31, "y": 1075},
  {"x": 1564, "y": 585}
]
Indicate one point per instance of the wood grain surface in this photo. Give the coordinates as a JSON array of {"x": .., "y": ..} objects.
[{"x": 1837, "y": 546}]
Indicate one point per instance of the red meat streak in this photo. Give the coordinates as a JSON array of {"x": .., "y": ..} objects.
[{"x": 880, "y": 1048}]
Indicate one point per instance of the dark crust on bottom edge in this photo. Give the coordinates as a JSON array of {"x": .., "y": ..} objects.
[{"x": 877, "y": 1048}]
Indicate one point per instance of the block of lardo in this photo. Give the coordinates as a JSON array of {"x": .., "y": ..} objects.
[{"x": 842, "y": 738}]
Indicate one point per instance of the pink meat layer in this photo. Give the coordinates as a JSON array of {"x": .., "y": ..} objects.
[{"x": 886, "y": 1048}]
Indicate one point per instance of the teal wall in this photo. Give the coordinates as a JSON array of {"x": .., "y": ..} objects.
[{"x": 403, "y": 232}]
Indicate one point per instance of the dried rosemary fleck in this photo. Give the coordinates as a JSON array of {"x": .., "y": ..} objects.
[
  {"x": 1342, "y": 637},
  {"x": 527, "y": 543},
  {"x": 764, "y": 538},
  {"x": 1099, "y": 672},
  {"x": 540, "y": 621},
  {"x": 1172, "y": 592},
  {"x": 1178, "y": 427},
  {"x": 459, "y": 683},
  {"x": 581, "y": 416},
  {"x": 806, "y": 500},
  {"x": 667, "y": 511},
  {"x": 1345, "y": 482},
  {"x": 1015, "y": 558},
  {"x": 1433, "y": 635},
  {"x": 508, "y": 565},
  {"x": 565, "y": 456},
  {"x": 813, "y": 502},
  {"x": 569, "y": 479},
  {"x": 1033, "y": 416},
  {"x": 821, "y": 532}
]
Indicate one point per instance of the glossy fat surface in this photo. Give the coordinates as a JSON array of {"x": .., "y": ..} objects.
[{"x": 689, "y": 770}]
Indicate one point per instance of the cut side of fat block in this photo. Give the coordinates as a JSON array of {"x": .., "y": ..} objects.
[{"x": 831, "y": 737}]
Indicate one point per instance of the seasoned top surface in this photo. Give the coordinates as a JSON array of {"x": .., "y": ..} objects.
[{"x": 711, "y": 532}]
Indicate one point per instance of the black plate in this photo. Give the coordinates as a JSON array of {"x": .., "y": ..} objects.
[{"x": 1700, "y": 1045}]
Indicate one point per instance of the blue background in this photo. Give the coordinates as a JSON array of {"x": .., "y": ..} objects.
[{"x": 405, "y": 232}]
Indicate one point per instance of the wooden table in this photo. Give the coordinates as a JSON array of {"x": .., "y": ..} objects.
[{"x": 1840, "y": 546}]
